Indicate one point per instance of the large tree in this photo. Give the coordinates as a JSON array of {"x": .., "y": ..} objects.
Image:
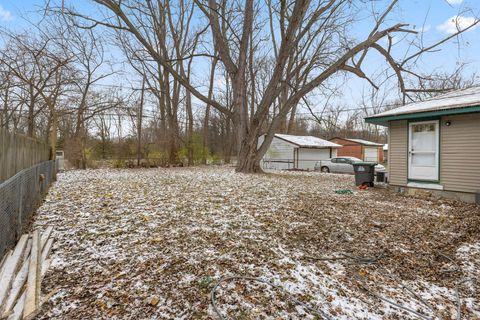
[{"x": 306, "y": 44}]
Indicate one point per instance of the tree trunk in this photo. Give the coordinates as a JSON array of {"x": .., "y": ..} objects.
[
  {"x": 53, "y": 136},
  {"x": 250, "y": 153},
  {"x": 173, "y": 139},
  {"x": 139, "y": 124},
  {"x": 5, "y": 119},
  {"x": 188, "y": 105},
  {"x": 241, "y": 123},
  {"x": 228, "y": 142},
  {"x": 163, "y": 123},
  {"x": 291, "y": 122},
  {"x": 172, "y": 101},
  {"x": 31, "y": 116},
  {"x": 207, "y": 112},
  {"x": 47, "y": 134},
  {"x": 83, "y": 145},
  {"x": 205, "y": 150},
  {"x": 172, "y": 148},
  {"x": 247, "y": 161}
]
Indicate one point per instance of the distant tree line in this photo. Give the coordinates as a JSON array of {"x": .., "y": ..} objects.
[{"x": 202, "y": 80}]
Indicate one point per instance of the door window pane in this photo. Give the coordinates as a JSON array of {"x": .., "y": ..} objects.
[
  {"x": 423, "y": 127},
  {"x": 423, "y": 137},
  {"x": 423, "y": 159}
]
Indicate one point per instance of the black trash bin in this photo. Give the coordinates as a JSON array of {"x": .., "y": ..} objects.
[
  {"x": 381, "y": 176},
  {"x": 364, "y": 173}
]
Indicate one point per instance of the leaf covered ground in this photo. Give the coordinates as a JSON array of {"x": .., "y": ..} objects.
[{"x": 152, "y": 243}]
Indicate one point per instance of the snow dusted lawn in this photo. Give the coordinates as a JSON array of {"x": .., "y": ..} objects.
[{"x": 127, "y": 239}]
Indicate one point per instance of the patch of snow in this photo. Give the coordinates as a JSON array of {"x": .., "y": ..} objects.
[
  {"x": 123, "y": 236},
  {"x": 308, "y": 141}
]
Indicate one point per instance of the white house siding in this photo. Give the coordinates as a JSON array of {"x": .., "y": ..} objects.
[
  {"x": 279, "y": 155},
  {"x": 371, "y": 154},
  {"x": 307, "y": 157}
]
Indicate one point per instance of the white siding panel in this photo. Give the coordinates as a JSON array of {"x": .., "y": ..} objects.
[
  {"x": 279, "y": 155},
  {"x": 308, "y": 157}
]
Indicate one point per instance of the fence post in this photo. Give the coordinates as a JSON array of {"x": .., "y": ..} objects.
[
  {"x": 54, "y": 168},
  {"x": 20, "y": 208}
]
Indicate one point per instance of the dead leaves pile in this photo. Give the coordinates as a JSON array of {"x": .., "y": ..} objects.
[{"x": 150, "y": 243}]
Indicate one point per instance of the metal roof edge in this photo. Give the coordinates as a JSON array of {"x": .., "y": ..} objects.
[
  {"x": 370, "y": 143},
  {"x": 284, "y": 139},
  {"x": 306, "y": 146},
  {"x": 317, "y": 147},
  {"x": 424, "y": 114}
]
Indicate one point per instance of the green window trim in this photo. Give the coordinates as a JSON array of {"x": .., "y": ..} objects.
[{"x": 424, "y": 181}]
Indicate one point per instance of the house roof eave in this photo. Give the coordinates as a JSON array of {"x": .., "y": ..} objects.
[{"x": 383, "y": 120}]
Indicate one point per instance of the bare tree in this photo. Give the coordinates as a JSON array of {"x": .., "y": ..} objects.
[
  {"x": 440, "y": 82},
  {"x": 44, "y": 72},
  {"x": 140, "y": 122},
  {"x": 103, "y": 124},
  {"x": 207, "y": 109},
  {"x": 313, "y": 47}
]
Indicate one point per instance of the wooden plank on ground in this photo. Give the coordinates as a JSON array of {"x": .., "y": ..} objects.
[
  {"x": 46, "y": 235},
  {"x": 18, "y": 309},
  {"x": 17, "y": 312},
  {"x": 17, "y": 284},
  {"x": 4, "y": 259},
  {"x": 45, "y": 265},
  {"x": 32, "y": 292},
  {"x": 16, "y": 290},
  {"x": 46, "y": 249},
  {"x": 11, "y": 266}
]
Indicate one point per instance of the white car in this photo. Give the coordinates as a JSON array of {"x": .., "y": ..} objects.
[{"x": 341, "y": 165}]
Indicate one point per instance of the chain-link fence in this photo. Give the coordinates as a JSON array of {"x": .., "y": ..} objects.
[{"x": 19, "y": 197}]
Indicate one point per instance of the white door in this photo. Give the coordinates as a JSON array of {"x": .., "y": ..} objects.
[
  {"x": 423, "y": 141},
  {"x": 371, "y": 154}
]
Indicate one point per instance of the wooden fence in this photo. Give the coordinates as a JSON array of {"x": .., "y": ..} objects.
[{"x": 18, "y": 152}]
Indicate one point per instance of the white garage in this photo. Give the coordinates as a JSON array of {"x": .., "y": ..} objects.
[{"x": 296, "y": 152}]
